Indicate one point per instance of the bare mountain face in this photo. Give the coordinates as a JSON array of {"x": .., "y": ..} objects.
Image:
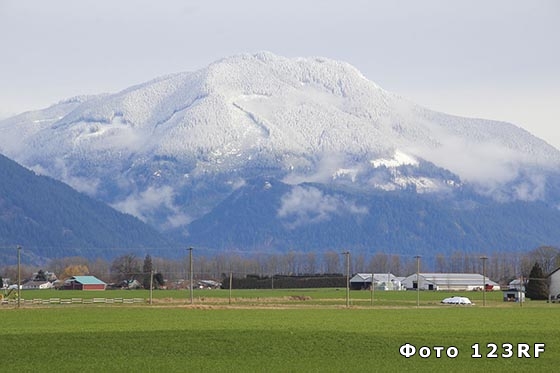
[{"x": 173, "y": 150}]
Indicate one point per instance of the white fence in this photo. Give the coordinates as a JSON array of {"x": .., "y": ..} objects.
[{"x": 74, "y": 301}]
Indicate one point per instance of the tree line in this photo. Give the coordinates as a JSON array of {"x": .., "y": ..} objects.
[{"x": 501, "y": 267}]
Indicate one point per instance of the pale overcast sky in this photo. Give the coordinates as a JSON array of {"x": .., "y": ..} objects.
[{"x": 490, "y": 59}]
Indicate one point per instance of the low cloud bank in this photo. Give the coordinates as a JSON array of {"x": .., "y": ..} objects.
[{"x": 309, "y": 205}]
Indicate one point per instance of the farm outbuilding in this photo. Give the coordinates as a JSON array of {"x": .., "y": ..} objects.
[
  {"x": 84, "y": 283},
  {"x": 35, "y": 285},
  {"x": 381, "y": 281},
  {"x": 514, "y": 295},
  {"x": 450, "y": 282},
  {"x": 517, "y": 283},
  {"x": 554, "y": 285}
]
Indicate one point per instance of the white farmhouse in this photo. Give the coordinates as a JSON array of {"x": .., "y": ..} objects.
[{"x": 37, "y": 285}]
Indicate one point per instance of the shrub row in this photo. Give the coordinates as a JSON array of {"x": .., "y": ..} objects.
[{"x": 332, "y": 280}]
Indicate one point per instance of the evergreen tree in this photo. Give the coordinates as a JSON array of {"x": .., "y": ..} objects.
[
  {"x": 1, "y": 282},
  {"x": 158, "y": 280},
  {"x": 537, "y": 287},
  {"x": 147, "y": 270},
  {"x": 41, "y": 276}
]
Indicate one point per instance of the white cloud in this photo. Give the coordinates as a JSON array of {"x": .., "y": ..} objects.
[
  {"x": 237, "y": 183},
  {"x": 488, "y": 165},
  {"x": 308, "y": 205},
  {"x": 493, "y": 169},
  {"x": 86, "y": 185},
  {"x": 144, "y": 206},
  {"x": 328, "y": 165},
  {"x": 177, "y": 220},
  {"x": 531, "y": 189}
]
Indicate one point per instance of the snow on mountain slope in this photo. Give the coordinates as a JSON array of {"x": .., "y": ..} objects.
[{"x": 310, "y": 119}]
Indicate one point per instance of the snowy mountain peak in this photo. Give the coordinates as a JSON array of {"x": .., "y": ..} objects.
[{"x": 297, "y": 119}]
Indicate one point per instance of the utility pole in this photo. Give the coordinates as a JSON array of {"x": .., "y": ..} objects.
[
  {"x": 151, "y": 286},
  {"x": 372, "y": 289},
  {"x": 191, "y": 273},
  {"x": 18, "y": 276},
  {"x": 484, "y": 257},
  {"x": 347, "y": 254},
  {"x": 521, "y": 291},
  {"x": 230, "y": 285},
  {"x": 417, "y": 280}
]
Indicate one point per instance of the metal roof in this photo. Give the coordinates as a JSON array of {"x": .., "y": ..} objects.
[
  {"x": 378, "y": 277},
  {"x": 88, "y": 280},
  {"x": 449, "y": 279}
]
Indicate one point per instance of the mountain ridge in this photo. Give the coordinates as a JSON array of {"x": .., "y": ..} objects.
[
  {"x": 159, "y": 103},
  {"x": 50, "y": 219},
  {"x": 171, "y": 150}
]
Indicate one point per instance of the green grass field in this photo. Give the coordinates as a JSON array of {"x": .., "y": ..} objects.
[
  {"x": 268, "y": 331},
  {"x": 331, "y": 296}
]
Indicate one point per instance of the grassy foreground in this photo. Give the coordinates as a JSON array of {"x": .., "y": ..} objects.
[{"x": 303, "y": 339}]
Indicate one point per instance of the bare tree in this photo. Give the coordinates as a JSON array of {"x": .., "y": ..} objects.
[
  {"x": 59, "y": 265},
  {"x": 99, "y": 268},
  {"x": 311, "y": 263},
  {"x": 548, "y": 258},
  {"x": 379, "y": 263},
  {"x": 332, "y": 262},
  {"x": 125, "y": 267},
  {"x": 11, "y": 272},
  {"x": 74, "y": 270},
  {"x": 441, "y": 263},
  {"x": 359, "y": 263},
  {"x": 457, "y": 262},
  {"x": 396, "y": 265}
]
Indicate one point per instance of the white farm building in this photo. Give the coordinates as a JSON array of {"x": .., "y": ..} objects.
[
  {"x": 554, "y": 287},
  {"x": 449, "y": 281},
  {"x": 382, "y": 281}
]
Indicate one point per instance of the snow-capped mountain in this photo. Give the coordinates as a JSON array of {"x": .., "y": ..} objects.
[{"x": 171, "y": 150}]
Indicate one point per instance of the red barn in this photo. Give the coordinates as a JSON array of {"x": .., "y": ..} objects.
[{"x": 84, "y": 283}]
